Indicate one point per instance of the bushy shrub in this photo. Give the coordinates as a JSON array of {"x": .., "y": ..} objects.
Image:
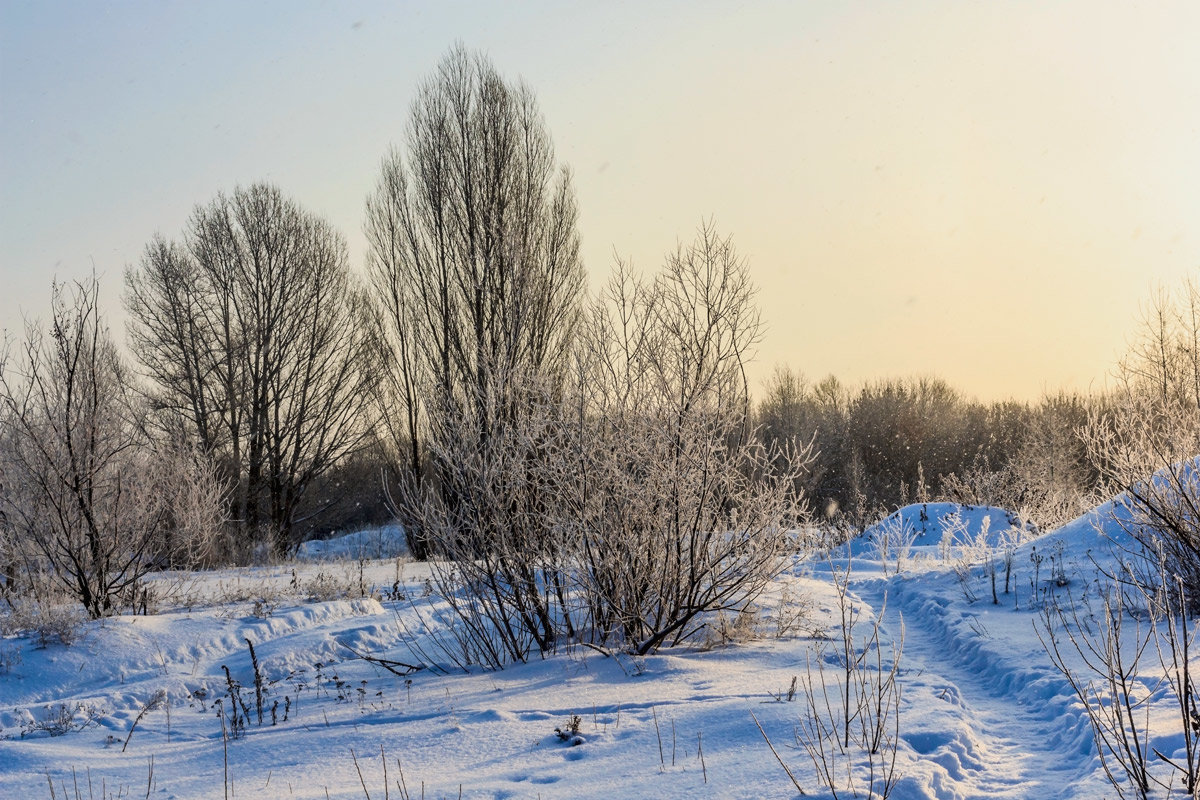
[
  {"x": 624, "y": 502},
  {"x": 46, "y": 622},
  {"x": 1148, "y": 441}
]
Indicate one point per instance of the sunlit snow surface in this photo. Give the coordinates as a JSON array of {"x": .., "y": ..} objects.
[{"x": 984, "y": 714}]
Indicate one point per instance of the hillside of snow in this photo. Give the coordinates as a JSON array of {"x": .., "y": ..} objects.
[{"x": 143, "y": 705}]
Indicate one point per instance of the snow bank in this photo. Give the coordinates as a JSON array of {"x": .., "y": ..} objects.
[{"x": 383, "y": 542}]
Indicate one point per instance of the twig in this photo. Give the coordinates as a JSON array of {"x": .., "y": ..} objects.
[
  {"x": 149, "y": 705},
  {"x": 387, "y": 663},
  {"x": 786, "y": 769},
  {"x": 258, "y": 683},
  {"x": 403, "y": 784},
  {"x": 360, "y": 775},
  {"x": 225, "y": 746},
  {"x": 661, "y": 759},
  {"x": 601, "y": 650},
  {"x": 383, "y": 758}
]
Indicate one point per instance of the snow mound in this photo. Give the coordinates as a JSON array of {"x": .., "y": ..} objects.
[
  {"x": 1110, "y": 522},
  {"x": 941, "y": 525},
  {"x": 384, "y": 542}
]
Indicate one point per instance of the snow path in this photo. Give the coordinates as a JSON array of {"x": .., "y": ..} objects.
[{"x": 1004, "y": 730}]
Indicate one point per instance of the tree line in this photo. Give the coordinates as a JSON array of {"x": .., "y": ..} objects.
[
  {"x": 587, "y": 468},
  {"x": 889, "y": 443}
]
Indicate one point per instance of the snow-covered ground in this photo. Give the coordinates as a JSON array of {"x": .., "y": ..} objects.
[{"x": 983, "y": 712}]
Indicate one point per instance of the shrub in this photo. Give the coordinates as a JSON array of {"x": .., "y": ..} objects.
[
  {"x": 47, "y": 622},
  {"x": 625, "y": 502}
]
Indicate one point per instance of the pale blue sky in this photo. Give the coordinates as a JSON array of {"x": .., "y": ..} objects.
[{"x": 983, "y": 191}]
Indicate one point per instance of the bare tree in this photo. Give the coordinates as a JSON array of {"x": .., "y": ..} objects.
[
  {"x": 1147, "y": 444},
  {"x": 10, "y": 551},
  {"x": 78, "y": 491},
  {"x": 474, "y": 257},
  {"x": 250, "y": 333}
]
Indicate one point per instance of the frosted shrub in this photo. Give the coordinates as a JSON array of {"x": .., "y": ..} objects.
[
  {"x": 88, "y": 497},
  {"x": 671, "y": 527},
  {"x": 628, "y": 504},
  {"x": 46, "y": 622},
  {"x": 1148, "y": 442},
  {"x": 850, "y": 723},
  {"x": 676, "y": 510},
  {"x": 893, "y": 540},
  {"x": 324, "y": 586},
  {"x": 1144, "y": 637}
]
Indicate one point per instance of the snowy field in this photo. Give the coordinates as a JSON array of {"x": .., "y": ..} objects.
[{"x": 131, "y": 707}]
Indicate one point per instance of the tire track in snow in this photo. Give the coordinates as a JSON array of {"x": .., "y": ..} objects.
[{"x": 1003, "y": 730}]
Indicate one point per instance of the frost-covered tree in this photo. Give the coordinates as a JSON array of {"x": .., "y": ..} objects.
[
  {"x": 1051, "y": 464},
  {"x": 84, "y": 494},
  {"x": 474, "y": 262},
  {"x": 1148, "y": 444}
]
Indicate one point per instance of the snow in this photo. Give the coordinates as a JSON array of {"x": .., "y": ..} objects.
[
  {"x": 927, "y": 527},
  {"x": 382, "y": 542},
  {"x": 984, "y": 713}
]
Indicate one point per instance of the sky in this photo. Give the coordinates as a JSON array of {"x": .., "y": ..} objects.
[{"x": 985, "y": 192}]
